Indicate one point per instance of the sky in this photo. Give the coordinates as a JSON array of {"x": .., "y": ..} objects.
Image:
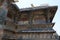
[{"x": 56, "y": 19}]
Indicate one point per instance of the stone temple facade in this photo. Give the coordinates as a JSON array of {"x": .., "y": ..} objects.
[{"x": 34, "y": 23}]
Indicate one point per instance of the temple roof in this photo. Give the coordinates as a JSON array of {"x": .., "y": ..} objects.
[
  {"x": 38, "y": 30},
  {"x": 52, "y": 9},
  {"x": 39, "y": 8},
  {"x": 35, "y": 8},
  {"x": 15, "y": 6}
]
